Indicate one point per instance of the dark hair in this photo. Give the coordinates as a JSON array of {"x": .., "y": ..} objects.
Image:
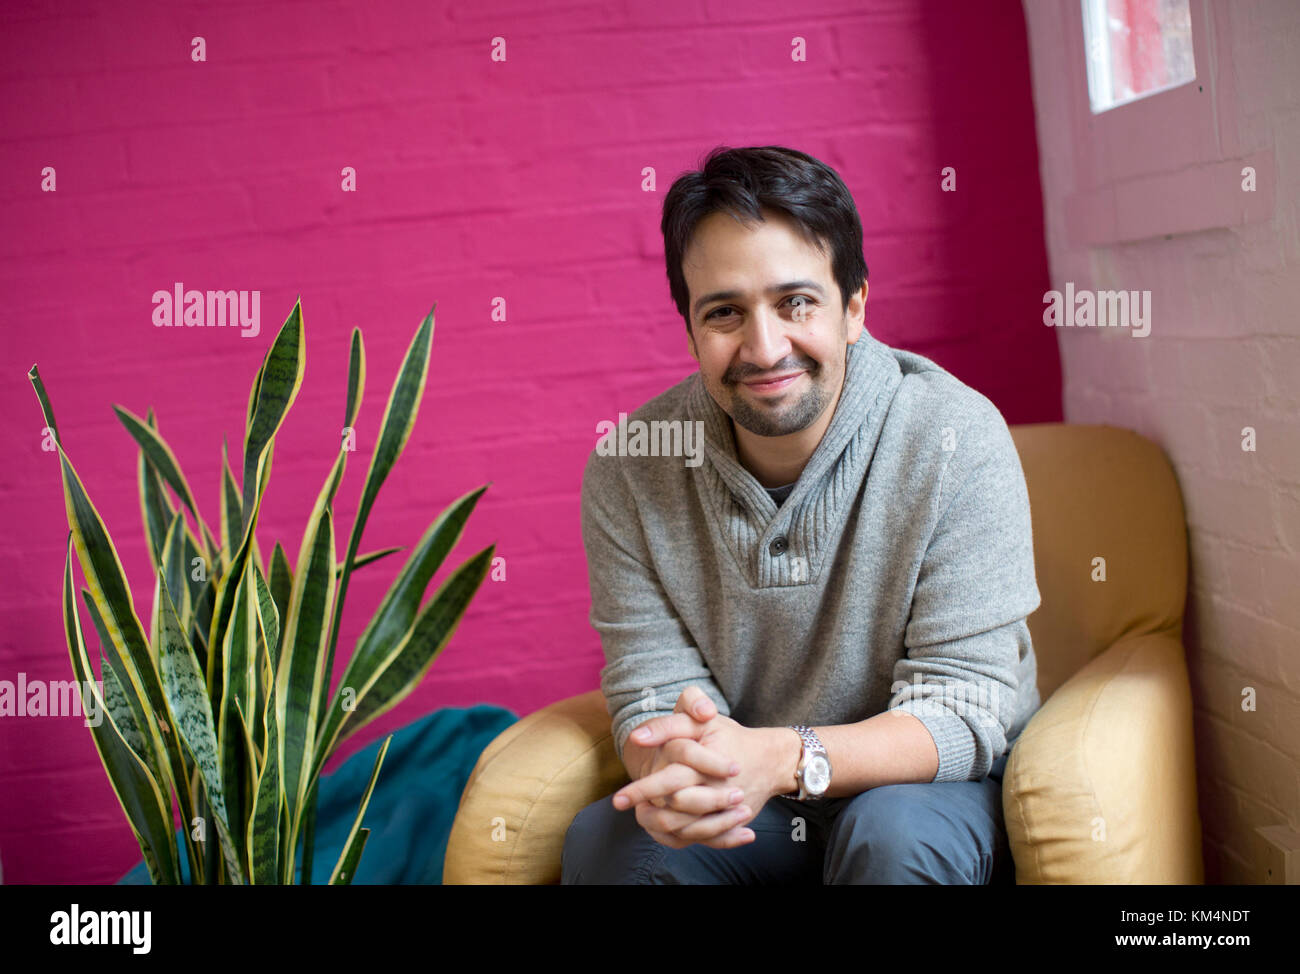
[{"x": 740, "y": 181}]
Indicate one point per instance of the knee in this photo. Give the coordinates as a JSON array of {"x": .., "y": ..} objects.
[
  {"x": 591, "y": 818},
  {"x": 896, "y": 834},
  {"x": 585, "y": 840}
]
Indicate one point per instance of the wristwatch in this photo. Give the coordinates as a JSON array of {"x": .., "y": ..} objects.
[{"x": 814, "y": 770}]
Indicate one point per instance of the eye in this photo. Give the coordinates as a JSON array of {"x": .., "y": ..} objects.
[{"x": 805, "y": 305}]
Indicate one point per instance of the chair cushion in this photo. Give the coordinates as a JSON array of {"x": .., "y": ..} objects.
[
  {"x": 1100, "y": 492},
  {"x": 525, "y": 790}
]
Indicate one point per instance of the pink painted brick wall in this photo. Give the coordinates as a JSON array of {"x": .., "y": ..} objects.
[
  {"x": 476, "y": 179},
  {"x": 1223, "y": 354}
]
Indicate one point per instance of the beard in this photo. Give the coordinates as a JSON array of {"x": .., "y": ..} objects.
[{"x": 778, "y": 418}]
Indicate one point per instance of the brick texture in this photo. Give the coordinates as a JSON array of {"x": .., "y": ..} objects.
[
  {"x": 476, "y": 179},
  {"x": 1223, "y": 354}
]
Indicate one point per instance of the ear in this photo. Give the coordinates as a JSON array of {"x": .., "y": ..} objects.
[
  {"x": 690, "y": 340},
  {"x": 855, "y": 316}
]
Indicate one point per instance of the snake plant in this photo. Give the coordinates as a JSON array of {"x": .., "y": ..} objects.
[{"x": 220, "y": 709}]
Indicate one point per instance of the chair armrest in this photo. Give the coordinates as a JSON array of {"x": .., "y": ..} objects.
[
  {"x": 525, "y": 790},
  {"x": 1101, "y": 786}
]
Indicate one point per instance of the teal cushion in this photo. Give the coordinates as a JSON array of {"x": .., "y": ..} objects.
[{"x": 413, "y": 805}]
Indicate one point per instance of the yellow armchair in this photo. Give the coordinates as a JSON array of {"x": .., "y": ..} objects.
[{"x": 1101, "y": 785}]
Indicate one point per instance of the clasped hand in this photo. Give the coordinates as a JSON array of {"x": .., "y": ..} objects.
[{"x": 703, "y": 780}]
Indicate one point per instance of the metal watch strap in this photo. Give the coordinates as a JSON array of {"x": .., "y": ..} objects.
[{"x": 811, "y": 742}]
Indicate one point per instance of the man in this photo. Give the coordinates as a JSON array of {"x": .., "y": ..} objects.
[{"x": 820, "y": 628}]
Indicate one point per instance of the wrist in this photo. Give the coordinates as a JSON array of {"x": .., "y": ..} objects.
[{"x": 785, "y": 748}]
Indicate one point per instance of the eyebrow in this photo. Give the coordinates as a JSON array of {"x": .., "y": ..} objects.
[{"x": 734, "y": 295}]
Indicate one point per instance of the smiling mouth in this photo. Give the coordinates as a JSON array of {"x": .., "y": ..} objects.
[{"x": 771, "y": 385}]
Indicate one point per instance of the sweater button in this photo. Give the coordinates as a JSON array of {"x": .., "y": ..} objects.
[{"x": 778, "y": 546}]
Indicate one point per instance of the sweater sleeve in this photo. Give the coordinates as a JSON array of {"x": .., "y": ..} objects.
[
  {"x": 650, "y": 657},
  {"x": 967, "y": 631}
]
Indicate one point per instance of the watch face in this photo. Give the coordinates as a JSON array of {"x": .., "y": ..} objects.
[{"x": 817, "y": 776}]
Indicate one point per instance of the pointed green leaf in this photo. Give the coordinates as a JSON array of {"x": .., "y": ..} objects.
[
  {"x": 347, "y": 864},
  {"x": 120, "y": 710},
  {"x": 356, "y": 379},
  {"x": 127, "y": 647},
  {"x": 405, "y": 665},
  {"x": 277, "y": 388},
  {"x": 281, "y": 584},
  {"x": 191, "y": 714},
  {"x": 107, "y": 583},
  {"x": 264, "y": 822},
  {"x": 394, "y": 430},
  {"x": 252, "y": 398},
  {"x": 175, "y": 569},
  {"x": 268, "y": 614},
  {"x": 155, "y": 508},
  {"x": 298, "y": 681},
  {"x": 162, "y": 458},
  {"x": 361, "y": 561},
  {"x": 105, "y": 642},
  {"x": 268, "y": 621},
  {"x": 203, "y": 605},
  {"x": 224, "y": 597},
  {"x": 232, "y": 514},
  {"x": 46, "y": 409},
  {"x": 396, "y": 613},
  {"x": 214, "y": 546},
  {"x": 238, "y": 661},
  {"x": 268, "y": 457},
  {"x": 331, "y": 486},
  {"x": 147, "y": 811},
  {"x": 399, "y": 415},
  {"x": 251, "y": 768},
  {"x": 129, "y": 724},
  {"x": 212, "y": 846}
]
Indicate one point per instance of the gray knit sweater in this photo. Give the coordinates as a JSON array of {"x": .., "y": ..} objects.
[{"x": 897, "y": 574}]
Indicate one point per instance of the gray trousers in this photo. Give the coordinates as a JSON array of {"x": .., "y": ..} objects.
[{"x": 938, "y": 832}]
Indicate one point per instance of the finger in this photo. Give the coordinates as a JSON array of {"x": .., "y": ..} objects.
[
  {"x": 706, "y": 760},
  {"x": 733, "y": 839},
  {"x": 656, "y": 730},
  {"x": 738, "y": 836},
  {"x": 715, "y": 825},
  {"x": 697, "y": 703},
  {"x": 700, "y": 800},
  {"x": 662, "y": 783},
  {"x": 666, "y": 838},
  {"x": 694, "y": 828},
  {"x": 674, "y": 822}
]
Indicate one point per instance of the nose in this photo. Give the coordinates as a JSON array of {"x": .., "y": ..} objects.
[{"x": 765, "y": 342}]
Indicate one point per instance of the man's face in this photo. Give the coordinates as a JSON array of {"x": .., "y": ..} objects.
[{"x": 767, "y": 324}]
